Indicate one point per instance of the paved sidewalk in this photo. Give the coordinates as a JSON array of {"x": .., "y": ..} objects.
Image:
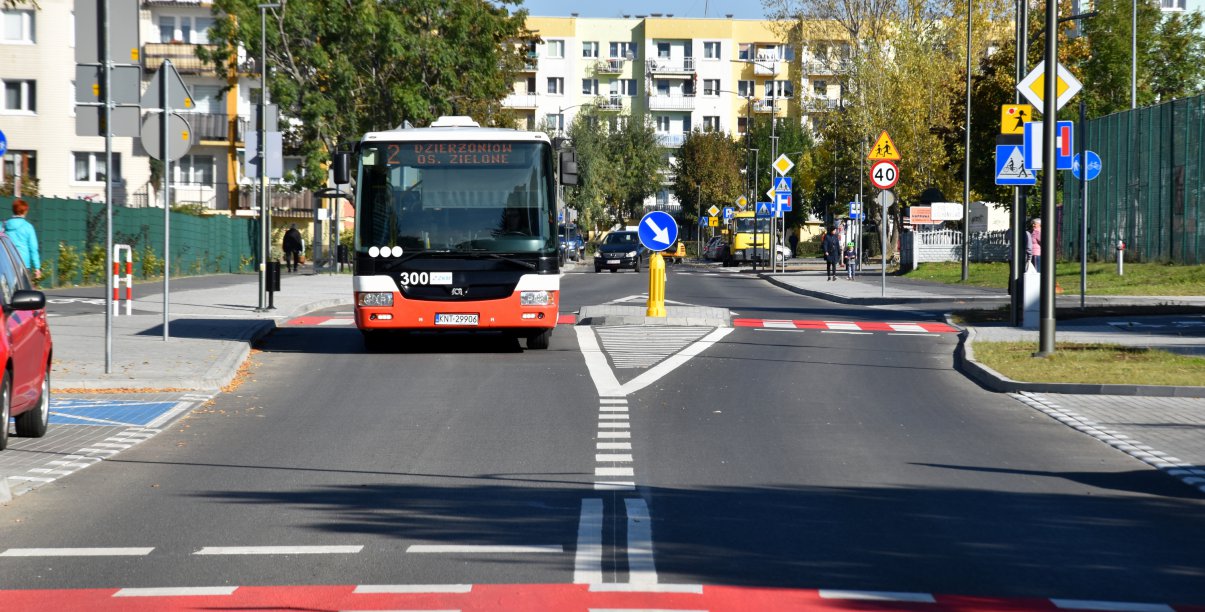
[{"x": 210, "y": 333}]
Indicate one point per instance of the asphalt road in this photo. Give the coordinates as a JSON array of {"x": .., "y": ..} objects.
[{"x": 835, "y": 459}]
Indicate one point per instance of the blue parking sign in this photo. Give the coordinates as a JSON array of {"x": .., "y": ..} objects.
[{"x": 728, "y": 213}]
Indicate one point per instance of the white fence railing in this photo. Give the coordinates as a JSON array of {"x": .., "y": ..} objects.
[{"x": 946, "y": 245}]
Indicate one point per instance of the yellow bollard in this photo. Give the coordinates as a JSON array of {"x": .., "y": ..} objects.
[{"x": 656, "y": 304}]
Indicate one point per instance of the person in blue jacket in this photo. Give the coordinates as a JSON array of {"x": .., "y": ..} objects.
[{"x": 24, "y": 238}]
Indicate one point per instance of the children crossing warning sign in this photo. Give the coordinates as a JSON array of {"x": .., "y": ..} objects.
[
  {"x": 1010, "y": 166},
  {"x": 883, "y": 149}
]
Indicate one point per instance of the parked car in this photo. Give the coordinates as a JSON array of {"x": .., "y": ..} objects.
[
  {"x": 620, "y": 250},
  {"x": 25, "y": 349},
  {"x": 716, "y": 249},
  {"x": 783, "y": 252},
  {"x": 573, "y": 247}
]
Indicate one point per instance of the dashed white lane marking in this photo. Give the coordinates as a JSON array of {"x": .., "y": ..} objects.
[
  {"x": 175, "y": 591},
  {"x": 613, "y": 446},
  {"x": 615, "y": 434},
  {"x": 1111, "y": 606},
  {"x": 620, "y": 587},
  {"x": 613, "y": 408},
  {"x": 602, "y": 458},
  {"x": 613, "y": 415},
  {"x": 587, "y": 562},
  {"x": 907, "y": 327},
  {"x": 482, "y": 548},
  {"x": 852, "y": 333},
  {"x": 613, "y": 425},
  {"x": 612, "y": 400},
  {"x": 641, "y": 568},
  {"x": 614, "y": 471},
  {"x": 76, "y": 552},
  {"x": 842, "y": 325},
  {"x": 377, "y": 589},
  {"x": 877, "y": 596},
  {"x": 278, "y": 550}
]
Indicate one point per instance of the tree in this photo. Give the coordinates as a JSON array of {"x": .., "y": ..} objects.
[
  {"x": 1107, "y": 69},
  {"x": 796, "y": 143},
  {"x": 1176, "y": 62},
  {"x": 346, "y": 68},
  {"x": 619, "y": 165},
  {"x": 707, "y": 171},
  {"x": 639, "y": 156}
]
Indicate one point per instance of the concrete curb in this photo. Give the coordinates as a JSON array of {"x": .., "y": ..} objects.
[
  {"x": 964, "y": 361},
  {"x": 875, "y": 301}
]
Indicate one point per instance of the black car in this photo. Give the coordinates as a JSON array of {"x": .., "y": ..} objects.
[{"x": 620, "y": 250}]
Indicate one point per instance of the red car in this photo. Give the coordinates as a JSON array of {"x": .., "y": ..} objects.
[{"x": 24, "y": 349}]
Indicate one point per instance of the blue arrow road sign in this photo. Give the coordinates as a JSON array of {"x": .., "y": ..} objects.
[
  {"x": 3, "y": 143},
  {"x": 658, "y": 230},
  {"x": 1093, "y": 165},
  {"x": 783, "y": 184},
  {"x": 1010, "y": 166},
  {"x": 728, "y": 212}
]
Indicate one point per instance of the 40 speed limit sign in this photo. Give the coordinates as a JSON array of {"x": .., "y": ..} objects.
[{"x": 884, "y": 174}]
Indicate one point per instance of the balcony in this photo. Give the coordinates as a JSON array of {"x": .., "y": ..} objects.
[
  {"x": 612, "y": 103},
  {"x": 672, "y": 103},
  {"x": 182, "y": 55},
  {"x": 766, "y": 66},
  {"x": 665, "y": 66},
  {"x": 531, "y": 62},
  {"x": 765, "y": 105},
  {"x": 519, "y": 101},
  {"x": 609, "y": 66},
  {"x": 216, "y": 127},
  {"x": 820, "y": 104},
  {"x": 672, "y": 141}
]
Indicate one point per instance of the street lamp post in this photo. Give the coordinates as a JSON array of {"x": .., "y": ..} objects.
[
  {"x": 966, "y": 161},
  {"x": 265, "y": 216}
]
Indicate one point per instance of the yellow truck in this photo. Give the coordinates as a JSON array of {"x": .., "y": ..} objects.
[{"x": 742, "y": 246}]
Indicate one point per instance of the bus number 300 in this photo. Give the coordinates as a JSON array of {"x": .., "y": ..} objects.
[{"x": 415, "y": 278}]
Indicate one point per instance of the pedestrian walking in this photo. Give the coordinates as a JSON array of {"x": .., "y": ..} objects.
[
  {"x": 292, "y": 245},
  {"x": 24, "y": 238},
  {"x": 1033, "y": 244},
  {"x": 851, "y": 260},
  {"x": 832, "y": 252}
]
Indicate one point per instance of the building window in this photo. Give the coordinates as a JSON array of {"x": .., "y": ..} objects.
[
  {"x": 820, "y": 88},
  {"x": 17, "y": 26},
  {"x": 555, "y": 48},
  {"x": 662, "y": 123},
  {"x": 742, "y": 125},
  {"x": 627, "y": 87},
  {"x": 20, "y": 96},
  {"x": 662, "y": 198},
  {"x": 711, "y": 87},
  {"x": 621, "y": 50},
  {"x": 555, "y": 122},
  {"x": 18, "y": 163},
  {"x": 590, "y": 49},
  {"x": 195, "y": 170},
  {"x": 745, "y": 51},
  {"x": 746, "y": 89},
  {"x": 662, "y": 87},
  {"x": 184, "y": 29},
  {"x": 1174, "y": 5},
  {"x": 711, "y": 50},
  {"x": 663, "y": 50},
  {"x": 780, "y": 89},
  {"x": 711, "y": 123},
  {"x": 90, "y": 167},
  {"x": 556, "y": 85},
  {"x": 590, "y": 87}
]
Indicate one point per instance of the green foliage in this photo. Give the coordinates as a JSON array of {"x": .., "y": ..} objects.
[
  {"x": 347, "y": 238},
  {"x": 707, "y": 171},
  {"x": 94, "y": 265},
  {"x": 196, "y": 209},
  {"x": 619, "y": 165},
  {"x": 361, "y": 65},
  {"x": 152, "y": 264},
  {"x": 796, "y": 143},
  {"x": 67, "y": 265},
  {"x": 30, "y": 186}
]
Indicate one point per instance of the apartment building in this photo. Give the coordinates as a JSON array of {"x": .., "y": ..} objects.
[
  {"x": 685, "y": 74},
  {"x": 37, "y": 68}
]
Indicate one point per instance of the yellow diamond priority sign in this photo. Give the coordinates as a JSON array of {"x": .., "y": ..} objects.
[
  {"x": 783, "y": 165},
  {"x": 1033, "y": 86},
  {"x": 713, "y": 211},
  {"x": 741, "y": 202}
]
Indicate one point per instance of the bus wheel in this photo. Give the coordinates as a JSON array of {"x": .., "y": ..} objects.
[
  {"x": 539, "y": 342},
  {"x": 375, "y": 342}
]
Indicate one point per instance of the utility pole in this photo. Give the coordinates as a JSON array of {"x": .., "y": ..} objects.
[
  {"x": 966, "y": 170},
  {"x": 265, "y": 216},
  {"x": 1017, "y": 218},
  {"x": 1049, "y": 176}
]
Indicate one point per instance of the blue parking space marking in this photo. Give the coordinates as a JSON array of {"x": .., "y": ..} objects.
[{"x": 106, "y": 413}]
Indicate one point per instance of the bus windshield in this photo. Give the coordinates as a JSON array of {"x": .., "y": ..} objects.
[
  {"x": 455, "y": 197},
  {"x": 744, "y": 225}
]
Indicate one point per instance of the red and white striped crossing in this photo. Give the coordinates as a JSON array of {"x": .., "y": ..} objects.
[{"x": 848, "y": 326}]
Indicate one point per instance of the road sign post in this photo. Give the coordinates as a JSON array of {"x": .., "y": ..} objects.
[{"x": 657, "y": 231}]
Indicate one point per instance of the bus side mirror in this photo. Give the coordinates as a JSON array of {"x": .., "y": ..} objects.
[
  {"x": 569, "y": 168},
  {"x": 341, "y": 162}
]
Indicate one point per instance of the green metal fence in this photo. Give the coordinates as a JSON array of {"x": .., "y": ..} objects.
[
  {"x": 1151, "y": 189},
  {"x": 71, "y": 240}
]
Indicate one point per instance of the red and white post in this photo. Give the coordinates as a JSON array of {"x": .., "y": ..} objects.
[{"x": 119, "y": 278}]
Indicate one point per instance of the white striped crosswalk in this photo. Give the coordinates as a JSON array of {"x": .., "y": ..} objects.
[{"x": 644, "y": 346}]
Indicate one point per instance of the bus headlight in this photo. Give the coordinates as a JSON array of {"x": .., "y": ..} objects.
[
  {"x": 375, "y": 299},
  {"x": 535, "y": 298}
]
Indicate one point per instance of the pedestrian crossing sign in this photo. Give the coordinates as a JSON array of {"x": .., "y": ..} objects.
[
  {"x": 1010, "y": 166},
  {"x": 782, "y": 184},
  {"x": 883, "y": 149}
]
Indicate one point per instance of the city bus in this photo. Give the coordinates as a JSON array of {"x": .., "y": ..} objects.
[{"x": 455, "y": 230}]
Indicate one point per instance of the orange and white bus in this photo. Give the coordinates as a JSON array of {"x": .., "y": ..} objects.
[{"x": 455, "y": 230}]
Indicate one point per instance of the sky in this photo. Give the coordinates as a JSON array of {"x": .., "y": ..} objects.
[{"x": 746, "y": 9}]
